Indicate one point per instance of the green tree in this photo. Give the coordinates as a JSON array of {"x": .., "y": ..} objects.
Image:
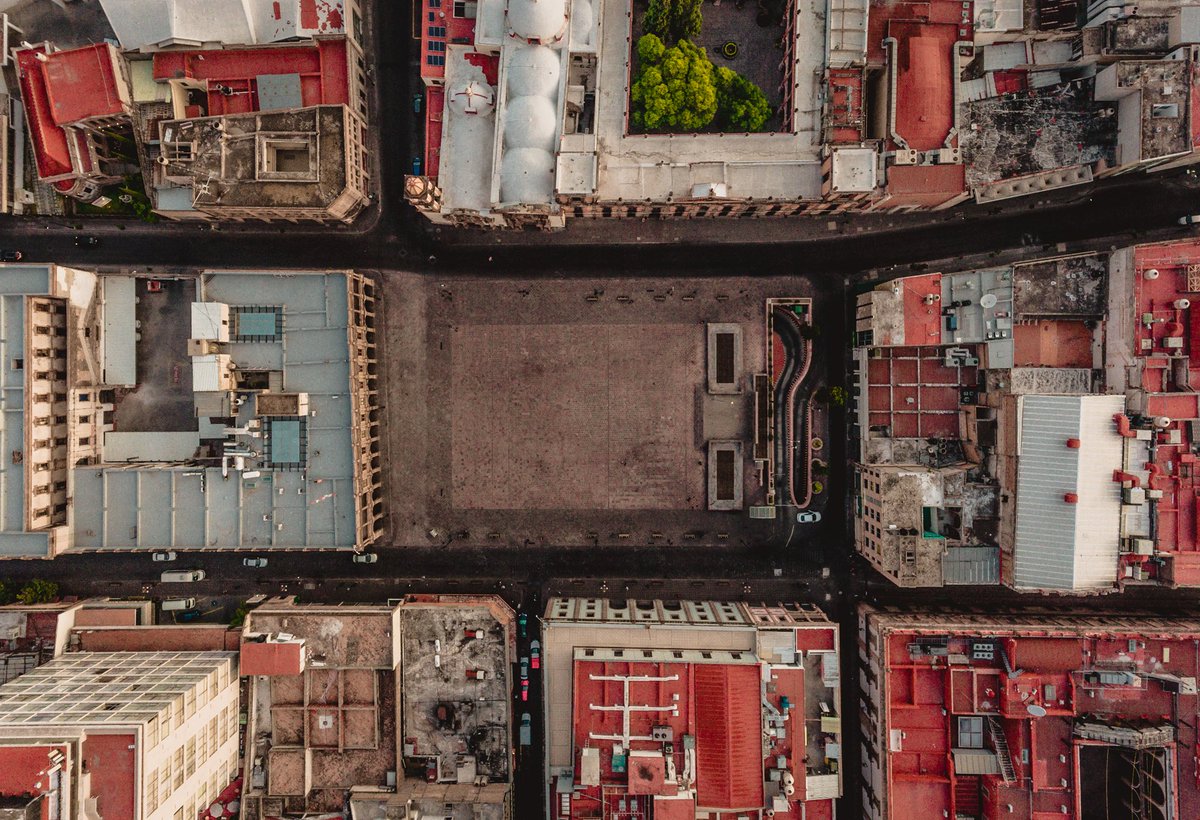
[
  {"x": 38, "y": 591},
  {"x": 673, "y": 20},
  {"x": 676, "y": 92},
  {"x": 6, "y": 594},
  {"x": 741, "y": 105}
]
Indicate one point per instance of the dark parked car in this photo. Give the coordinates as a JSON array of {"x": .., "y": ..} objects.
[
  {"x": 10, "y": 256},
  {"x": 87, "y": 241}
]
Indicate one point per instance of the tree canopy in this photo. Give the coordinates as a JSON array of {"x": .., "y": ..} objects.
[
  {"x": 673, "y": 20},
  {"x": 741, "y": 105},
  {"x": 674, "y": 88}
]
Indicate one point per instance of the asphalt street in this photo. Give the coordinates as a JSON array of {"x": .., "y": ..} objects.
[{"x": 814, "y": 564}]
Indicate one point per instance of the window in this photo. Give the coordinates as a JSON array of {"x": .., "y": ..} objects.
[
  {"x": 432, "y": 17},
  {"x": 465, "y": 8},
  {"x": 435, "y": 60},
  {"x": 85, "y": 396},
  {"x": 437, "y": 45},
  {"x": 18, "y": 363},
  {"x": 437, "y": 31}
]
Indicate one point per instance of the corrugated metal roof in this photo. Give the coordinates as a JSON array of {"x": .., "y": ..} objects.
[
  {"x": 728, "y": 737},
  {"x": 975, "y": 761},
  {"x": 971, "y": 565},
  {"x": 1061, "y": 545}
]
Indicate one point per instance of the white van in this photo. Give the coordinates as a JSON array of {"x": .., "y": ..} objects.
[
  {"x": 173, "y": 604},
  {"x": 182, "y": 576}
]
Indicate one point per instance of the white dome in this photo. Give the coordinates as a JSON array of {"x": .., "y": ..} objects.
[
  {"x": 582, "y": 19},
  {"x": 533, "y": 71},
  {"x": 474, "y": 98},
  {"x": 538, "y": 21},
  {"x": 527, "y": 176},
  {"x": 529, "y": 122}
]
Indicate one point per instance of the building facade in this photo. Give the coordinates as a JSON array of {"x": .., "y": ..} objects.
[{"x": 143, "y": 735}]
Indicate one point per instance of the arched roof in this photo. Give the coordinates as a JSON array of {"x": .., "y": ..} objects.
[
  {"x": 530, "y": 122},
  {"x": 527, "y": 176},
  {"x": 533, "y": 71},
  {"x": 538, "y": 21}
]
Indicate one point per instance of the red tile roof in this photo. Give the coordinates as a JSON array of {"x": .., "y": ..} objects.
[
  {"x": 927, "y": 185},
  {"x": 924, "y": 84},
  {"x": 728, "y": 736},
  {"x": 674, "y": 809},
  {"x": 50, "y": 148},
  {"x": 81, "y": 84},
  {"x": 322, "y": 68},
  {"x": 272, "y": 658},
  {"x": 112, "y": 763},
  {"x": 23, "y": 768}
]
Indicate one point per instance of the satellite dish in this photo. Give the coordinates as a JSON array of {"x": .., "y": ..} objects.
[
  {"x": 1035, "y": 711},
  {"x": 988, "y": 300}
]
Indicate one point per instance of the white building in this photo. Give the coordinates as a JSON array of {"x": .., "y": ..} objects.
[{"x": 135, "y": 735}]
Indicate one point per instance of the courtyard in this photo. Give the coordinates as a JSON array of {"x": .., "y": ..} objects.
[{"x": 759, "y": 47}]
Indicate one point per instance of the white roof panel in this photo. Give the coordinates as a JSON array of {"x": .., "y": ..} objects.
[
  {"x": 120, "y": 332},
  {"x": 1060, "y": 544}
]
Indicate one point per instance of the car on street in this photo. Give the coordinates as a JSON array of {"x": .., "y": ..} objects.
[
  {"x": 254, "y": 562},
  {"x": 418, "y": 101},
  {"x": 524, "y": 667},
  {"x": 522, "y": 625},
  {"x": 525, "y": 689},
  {"x": 10, "y": 256},
  {"x": 808, "y": 517},
  {"x": 365, "y": 558},
  {"x": 526, "y": 729},
  {"x": 164, "y": 556},
  {"x": 187, "y": 616},
  {"x": 182, "y": 576},
  {"x": 535, "y": 654},
  {"x": 87, "y": 241},
  {"x": 416, "y": 166},
  {"x": 1190, "y": 219}
]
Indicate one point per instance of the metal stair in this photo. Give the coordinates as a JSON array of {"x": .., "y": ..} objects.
[{"x": 1007, "y": 771}]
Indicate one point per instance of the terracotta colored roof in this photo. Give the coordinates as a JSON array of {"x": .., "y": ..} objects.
[
  {"x": 728, "y": 736},
  {"x": 674, "y": 809},
  {"x": 322, "y": 69},
  {"x": 81, "y": 84},
  {"x": 925, "y": 184},
  {"x": 272, "y": 658},
  {"x": 924, "y": 83},
  {"x": 50, "y": 149}
]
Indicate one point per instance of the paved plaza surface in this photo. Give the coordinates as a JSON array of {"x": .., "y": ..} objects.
[{"x": 566, "y": 412}]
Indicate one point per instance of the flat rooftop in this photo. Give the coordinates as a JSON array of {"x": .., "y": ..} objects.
[
  {"x": 635, "y": 167},
  {"x": 281, "y": 498},
  {"x": 914, "y": 393},
  {"x": 440, "y": 646},
  {"x": 631, "y": 686},
  {"x": 566, "y": 412},
  {"x": 317, "y": 71},
  {"x": 1082, "y": 695}
]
